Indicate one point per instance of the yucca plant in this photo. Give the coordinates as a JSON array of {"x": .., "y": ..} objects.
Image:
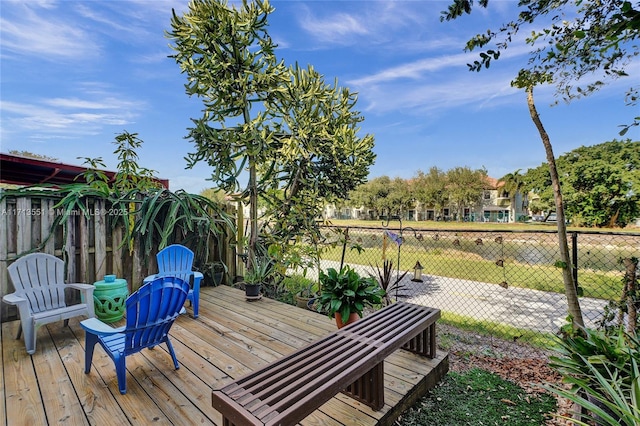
[{"x": 602, "y": 369}]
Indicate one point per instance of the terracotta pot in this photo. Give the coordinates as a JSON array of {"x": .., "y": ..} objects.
[{"x": 352, "y": 318}]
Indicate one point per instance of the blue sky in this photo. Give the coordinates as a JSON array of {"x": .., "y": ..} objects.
[{"x": 76, "y": 73}]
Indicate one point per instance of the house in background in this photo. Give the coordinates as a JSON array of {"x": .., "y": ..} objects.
[
  {"x": 500, "y": 206},
  {"x": 493, "y": 205}
]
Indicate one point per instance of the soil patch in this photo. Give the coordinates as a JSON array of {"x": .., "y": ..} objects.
[{"x": 520, "y": 363}]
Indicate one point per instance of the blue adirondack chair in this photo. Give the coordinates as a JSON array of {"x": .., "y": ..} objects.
[
  {"x": 150, "y": 312},
  {"x": 177, "y": 261}
]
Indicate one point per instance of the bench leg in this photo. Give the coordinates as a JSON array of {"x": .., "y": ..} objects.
[
  {"x": 424, "y": 343},
  {"x": 369, "y": 389}
]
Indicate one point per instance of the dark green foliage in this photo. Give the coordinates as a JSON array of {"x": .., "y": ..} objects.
[
  {"x": 478, "y": 397},
  {"x": 458, "y": 187},
  {"x": 345, "y": 291},
  {"x": 600, "y": 183},
  {"x": 299, "y": 284}
]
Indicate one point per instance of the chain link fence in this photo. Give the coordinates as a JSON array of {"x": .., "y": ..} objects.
[{"x": 507, "y": 283}]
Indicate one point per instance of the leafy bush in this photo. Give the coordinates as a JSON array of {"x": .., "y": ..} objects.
[{"x": 299, "y": 284}]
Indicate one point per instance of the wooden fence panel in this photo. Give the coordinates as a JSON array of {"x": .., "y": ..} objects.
[
  {"x": 90, "y": 247},
  {"x": 4, "y": 276},
  {"x": 100, "y": 242},
  {"x": 47, "y": 218}
]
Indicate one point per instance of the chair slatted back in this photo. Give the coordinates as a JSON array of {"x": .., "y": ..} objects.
[
  {"x": 177, "y": 261},
  {"x": 151, "y": 311},
  {"x": 39, "y": 277}
]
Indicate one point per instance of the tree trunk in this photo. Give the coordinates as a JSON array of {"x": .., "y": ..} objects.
[
  {"x": 253, "y": 203},
  {"x": 631, "y": 265},
  {"x": 253, "y": 213},
  {"x": 570, "y": 289}
]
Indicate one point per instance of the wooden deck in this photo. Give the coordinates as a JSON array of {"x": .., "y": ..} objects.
[{"x": 229, "y": 339}]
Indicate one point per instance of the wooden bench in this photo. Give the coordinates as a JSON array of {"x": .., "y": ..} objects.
[{"x": 350, "y": 360}]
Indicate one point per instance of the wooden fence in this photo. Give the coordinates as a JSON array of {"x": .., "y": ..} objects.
[{"x": 91, "y": 248}]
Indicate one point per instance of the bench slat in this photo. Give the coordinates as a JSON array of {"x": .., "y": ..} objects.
[{"x": 289, "y": 389}]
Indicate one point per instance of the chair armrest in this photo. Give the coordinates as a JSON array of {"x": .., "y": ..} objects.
[
  {"x": 197, "y": 274},
  {"x": 13, "y": 299},
  {"x": 80, "y": 286},
  {"x": 149, "y": 278},
  {"x": 97, "y": 327}
]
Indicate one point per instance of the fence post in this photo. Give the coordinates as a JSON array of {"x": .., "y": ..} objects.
[
  {"x": 574, "y": 257},
  {"x": 344, "y": 247}
]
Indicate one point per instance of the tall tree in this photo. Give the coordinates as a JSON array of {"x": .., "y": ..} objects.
[
  {"x": 513, "y": 184},
  {"x": 601, "y": 183},
  {"x": 465, "y": 187},
  {"x": 294, "y": 136},
  {"x": 373, "y": 195},
  {"x": 230, "y": 63},
  {"x": 583, "y": 38},
  {"x": 319, "y": 157},
  {"x": 570, "y": 286},
  {"x": 430, "y": 189}
]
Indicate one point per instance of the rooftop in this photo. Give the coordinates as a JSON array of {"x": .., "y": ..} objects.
[{"x": 19, "y": 170}]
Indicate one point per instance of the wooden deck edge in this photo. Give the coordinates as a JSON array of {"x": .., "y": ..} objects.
[{"x": 428, "y": 382}]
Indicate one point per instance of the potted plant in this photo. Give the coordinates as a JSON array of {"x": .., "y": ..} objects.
[
  {"x": 345, "y": 294},
  {"x": 306, "y": 294},
  {"x": 255, "y": 277},
  {"x": 301, "y": 288},
  {"x": 214, "y": 272}
]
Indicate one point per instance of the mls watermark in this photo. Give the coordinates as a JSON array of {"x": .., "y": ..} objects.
[{"x": 63, "y": 212}]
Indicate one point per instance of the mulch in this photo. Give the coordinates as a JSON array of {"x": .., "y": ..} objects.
[{"x": 522, "y": 364}]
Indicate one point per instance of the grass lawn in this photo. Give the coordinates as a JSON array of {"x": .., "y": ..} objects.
[
  {"x": 479, "y": 397},
  {"x": 489, "y": 226},
  {"x": 441, "y": 258}
]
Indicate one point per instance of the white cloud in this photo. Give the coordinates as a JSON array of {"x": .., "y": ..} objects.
[
  {"x": 25, "y": 32},
  {"x": 335, "y": 29},
  {"x": 105, "y": 103},
  {"x": 420, "y": 98},
  {"x": 372, "y": 21},
  {"x": 412, "y": 70},
  {"x": 72, "y": 116}
]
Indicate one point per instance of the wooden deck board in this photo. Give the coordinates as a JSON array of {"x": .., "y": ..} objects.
[{"x": 230, "y": 338}]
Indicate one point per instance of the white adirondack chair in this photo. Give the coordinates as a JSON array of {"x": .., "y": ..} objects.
[{"x": 38, "y": 279}]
